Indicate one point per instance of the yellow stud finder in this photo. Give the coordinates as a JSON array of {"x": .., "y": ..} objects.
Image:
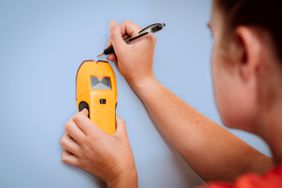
[{"x": 96, "y": 90}]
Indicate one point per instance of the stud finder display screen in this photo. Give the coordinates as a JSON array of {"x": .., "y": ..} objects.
[{"x": 100, "y": 84}]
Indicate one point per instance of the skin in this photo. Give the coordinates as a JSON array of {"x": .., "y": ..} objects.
[
  {"x": 108, "y": 157},
  {"x": 246, "y": 77}
]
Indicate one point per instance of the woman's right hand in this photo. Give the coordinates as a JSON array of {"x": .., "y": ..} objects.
[{"x": 135, "y": 60}]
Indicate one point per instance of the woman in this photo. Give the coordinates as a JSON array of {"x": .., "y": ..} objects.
[{"x": 247, "y": 77}]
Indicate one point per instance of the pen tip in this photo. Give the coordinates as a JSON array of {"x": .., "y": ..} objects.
[{"x": 101, "y": 54}]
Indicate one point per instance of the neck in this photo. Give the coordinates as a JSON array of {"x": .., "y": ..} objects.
[{"x": 270, "y": 130}]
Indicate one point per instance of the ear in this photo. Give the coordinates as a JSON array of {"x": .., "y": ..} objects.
[{"x": 249, "y": 47}]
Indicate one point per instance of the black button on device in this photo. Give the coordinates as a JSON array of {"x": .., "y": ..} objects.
[
  {"x": 103, "y": 101},
  {"x": 83, "y": 105}
]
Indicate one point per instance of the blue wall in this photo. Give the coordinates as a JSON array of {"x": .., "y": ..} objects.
[{"x": 42, "y": 44}]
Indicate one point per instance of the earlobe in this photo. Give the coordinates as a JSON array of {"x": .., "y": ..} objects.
[{"x": 249, "y": 46}]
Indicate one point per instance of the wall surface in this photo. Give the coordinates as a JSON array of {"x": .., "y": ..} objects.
[{"x": 42, "y": 43}]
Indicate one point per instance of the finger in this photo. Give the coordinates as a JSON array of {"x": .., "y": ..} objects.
[
  {"x": 83, "y": 122},
  {"x": 129, "y": 28},
  {"x": 124, "y": 36},
  {"x": 84, "y": 111},
  {"x": 121, "y": 128},
  {"x": 114, "y": 59},
  {"x": 116, "y": 37},
  {"x": 69, "y": 145},
  {"x": 68, "y": 158},
  {"x": 111, "y": 57},
  {"x": 108, "y": 43},
  {"x": 74, "y": 132}
]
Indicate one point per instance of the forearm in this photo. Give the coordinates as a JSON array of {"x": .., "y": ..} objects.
[{"x": 204, "y": 145}]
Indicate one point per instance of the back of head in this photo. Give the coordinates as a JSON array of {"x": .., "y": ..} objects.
[{"x": 265, "y": 14}]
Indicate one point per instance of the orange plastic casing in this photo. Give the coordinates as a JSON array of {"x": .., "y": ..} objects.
[{"x": 103, "y": 114}]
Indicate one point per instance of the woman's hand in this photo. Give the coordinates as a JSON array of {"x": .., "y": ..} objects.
[
  {"x": 108, "y": 157},
  {"x": 134, "y": 61}
]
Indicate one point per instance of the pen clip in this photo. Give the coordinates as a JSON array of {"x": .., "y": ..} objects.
[{"x": 152, "y": 28}]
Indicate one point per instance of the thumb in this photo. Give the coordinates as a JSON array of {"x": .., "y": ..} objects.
[
  {"x": 121, "y": 128},
  {"x": 84, "y": 111},
  {"x": 116, "y": 37}
]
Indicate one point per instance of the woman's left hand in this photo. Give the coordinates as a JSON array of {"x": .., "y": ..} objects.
[{"x": 108, "y": 157}]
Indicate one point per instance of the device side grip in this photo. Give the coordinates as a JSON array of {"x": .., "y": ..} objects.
[{"x": 83, "y": 105}]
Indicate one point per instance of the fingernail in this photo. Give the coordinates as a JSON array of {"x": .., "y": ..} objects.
[
  {"x": 110, "y": 58},
  {"x": 85, "y": 111},
  {"x": 113, "y": 23}
]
